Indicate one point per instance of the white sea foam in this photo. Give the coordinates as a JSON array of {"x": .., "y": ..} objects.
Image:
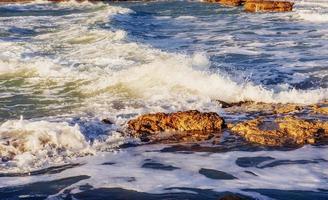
[
  {"x": 28, "y": 145},
  {"x": 186, "y": 17},
  {"x": 36, "y": 144},
  {"x": 128, "y": 163},
  {"x": 312, "y": 10}
]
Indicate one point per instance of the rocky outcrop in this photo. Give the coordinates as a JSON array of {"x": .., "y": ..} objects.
[
  {"x": 320, "y": 108},
  {"x": 261, "y": 107},
  {"x": 268, "y": 6},
  {"x": 258, "y": 5},
  {"x": 187, "y": 126},
  {"x": 287, "y": 131},
  {"x": 231, "y": 2}
]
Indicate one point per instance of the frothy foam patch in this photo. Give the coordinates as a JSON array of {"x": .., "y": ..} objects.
[
  {"x": 28, "y": 145},
  {"x": 312, "y": 11}
]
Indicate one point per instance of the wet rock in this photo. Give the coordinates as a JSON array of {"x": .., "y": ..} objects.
[
  {"x": 252, "y": 161},
  {"x": 107, "y": 121},
  {"x": 215, "y": 174},
  {"x": 286, "y": 131},
  {"x": 108, "y": 163},
  {"x": 268, "y": 108},
  {"x": 231, "y": 2},
  {"x": 232, "y": 197},
  {"x": 268, "y": 6},
  {"x": 237, "y": 104},
  {"x": 159, "y": 166},
  {"x": 187, "y": 126},
  {"x": 250, "y": 172},
  {"x": 320, "y": 108}
]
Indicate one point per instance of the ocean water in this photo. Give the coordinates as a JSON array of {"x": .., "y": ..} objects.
[{"x": 65, "y": 67}]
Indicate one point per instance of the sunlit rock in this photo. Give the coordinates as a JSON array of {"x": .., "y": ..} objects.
[
  {"x": 268, "y": 6},
  {"x": 267, "y": 108},
  {"x": 188, "y": 126},
  {"x": 321, "y": 108},
  {"x": 287, "y": 131}
]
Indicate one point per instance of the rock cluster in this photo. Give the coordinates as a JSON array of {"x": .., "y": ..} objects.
[
  {"x": 264, "y": 108},
  {"x": 276, "y": 126},
  {"x": 321, "y": 108},
  {"x": 188, "y": 126},
  {"x": 268, "y": 6},
  {"x": 258, "y": 5},
  {"x": 286, "y": 131},
  {"x": 227, "y": 2}
]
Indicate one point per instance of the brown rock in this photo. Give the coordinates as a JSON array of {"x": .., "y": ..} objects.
[
  {"x": 188, "y": 126},
  {"x": 287, "y": 131},
  {"x": 269, "y": 108},
  {"x": 268, "y": 6},
  {"x": 231, "y": 2},
  {"x": 320, "y": 108}
]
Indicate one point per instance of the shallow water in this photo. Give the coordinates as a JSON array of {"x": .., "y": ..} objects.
[{"x": 64, "y": 67}]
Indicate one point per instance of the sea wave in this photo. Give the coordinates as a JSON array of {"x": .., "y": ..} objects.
[{"x": 104, "y": 58}]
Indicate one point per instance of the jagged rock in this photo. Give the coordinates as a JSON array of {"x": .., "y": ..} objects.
[
  {"x": 320, "y": 108},
  {"x": 187, "y": 126},
  {"x": 231, "y": 2},
  {"x": 287, "y": 131},
  {"x": 269, "y": 108},
  {"x": 268, "y": 6}
]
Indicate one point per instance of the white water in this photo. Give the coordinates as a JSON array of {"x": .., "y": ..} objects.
[{"x": 315, "y": 11}]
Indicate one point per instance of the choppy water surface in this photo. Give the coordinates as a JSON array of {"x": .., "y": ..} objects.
[{"x": 64, "y": 67}]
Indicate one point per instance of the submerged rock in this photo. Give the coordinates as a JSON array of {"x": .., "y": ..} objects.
[
  {"x": 216, "y": 174},
  {"x": 287, "y": 131},
  {"x": 187, "y": 126},
  {"x": 268, "y": 6}
]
